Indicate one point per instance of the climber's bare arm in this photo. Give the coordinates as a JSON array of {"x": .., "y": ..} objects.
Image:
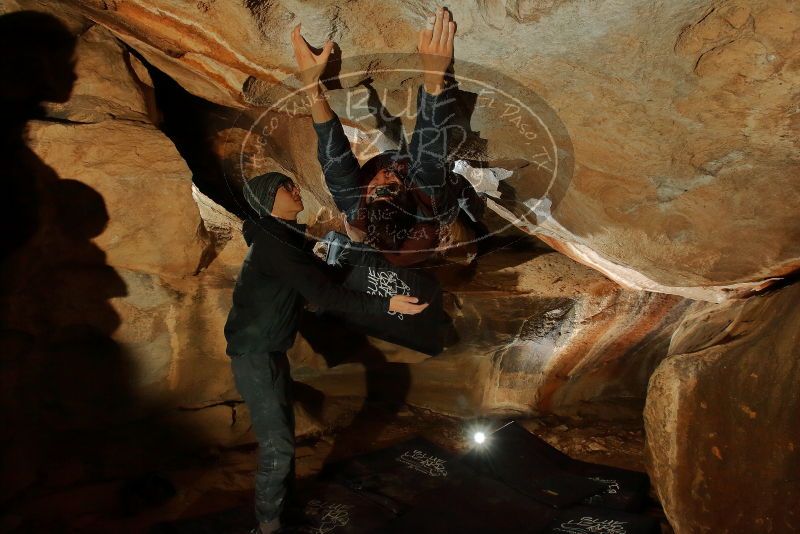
[
  {"x": 310, "y": 67},
  {"x": 436, "y": 50}
]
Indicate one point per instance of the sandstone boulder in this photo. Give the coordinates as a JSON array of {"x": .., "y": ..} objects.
[
  {"x": 537, "y": 333},
  {"x": 108, "y": 84},
  {"x": 677, "y": 142},
  {"x": 679, "y": 115},
  {"x": 88, "y": 302},
  {"x": 568, "y": 340},
  {"x": 144, "y": 183},
  {"x": 722, "y": 418}
]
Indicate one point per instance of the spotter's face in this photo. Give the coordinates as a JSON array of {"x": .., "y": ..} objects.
[{"x": 288, "y": 197}]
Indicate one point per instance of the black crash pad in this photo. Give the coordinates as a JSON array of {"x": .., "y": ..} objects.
[
  {"x": 594, "y": 520},
  {"x": 474, "y": 505},
  {"x": 619, "y": 489},
  {"x": 624, "y": 490},
  {"x": 516, "y": 483},
  {"x": 528, "y": 464},
  {"x": 329, "y": 507},
  {"x": 395, "y": 476}
]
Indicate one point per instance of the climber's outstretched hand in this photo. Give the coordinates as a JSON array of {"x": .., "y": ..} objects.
[
  {"x": 436, "y": 50},
  {"x": 309, "y": 64}
]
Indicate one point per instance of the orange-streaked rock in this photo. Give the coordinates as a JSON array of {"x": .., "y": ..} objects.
[
  {"x": 680, "y": 114},
  {"x": 721, "y": 418}
]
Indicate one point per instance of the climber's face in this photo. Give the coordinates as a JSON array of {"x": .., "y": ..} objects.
[{"x": 384, "y": 186}]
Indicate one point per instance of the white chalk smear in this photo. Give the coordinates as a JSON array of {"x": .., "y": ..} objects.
[{"x": 483, "y": 179}]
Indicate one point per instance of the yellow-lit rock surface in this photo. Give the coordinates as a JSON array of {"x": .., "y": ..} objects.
[
  {"x": 681, "y": 115},
  {"x": 678, "y": 124},
  {"x": 145, "y": 185},
  {"x": 721, "y": 418}
]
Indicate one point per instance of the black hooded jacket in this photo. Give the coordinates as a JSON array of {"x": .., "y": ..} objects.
[{"x": 278, "y": 275}]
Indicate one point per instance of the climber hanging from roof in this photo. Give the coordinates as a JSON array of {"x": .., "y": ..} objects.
[{"x": 402, "y": 204}]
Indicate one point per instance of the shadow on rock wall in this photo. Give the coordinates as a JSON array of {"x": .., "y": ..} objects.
[
  {"x": 66, "y": 384},
  {"x": 387, "y": 383}
]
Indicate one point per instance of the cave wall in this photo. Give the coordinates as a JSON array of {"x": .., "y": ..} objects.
[
  {"x": 116, "y": 304},
  {"x": 681, "y": 114},
  {"x": 98, "y": 300},
  {"x": 683, "y": 126},
  {"x": 527, "y": 346},
  {"x": 722, "y": 418}
]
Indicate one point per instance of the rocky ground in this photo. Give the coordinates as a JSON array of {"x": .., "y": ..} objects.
[{"x": 222, "y": 479}]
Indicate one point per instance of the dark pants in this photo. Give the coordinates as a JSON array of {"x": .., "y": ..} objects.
[{"x": 264, "y": 382}]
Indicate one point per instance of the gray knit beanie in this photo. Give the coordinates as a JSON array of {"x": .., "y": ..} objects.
[{"x": 260, "y": 191}]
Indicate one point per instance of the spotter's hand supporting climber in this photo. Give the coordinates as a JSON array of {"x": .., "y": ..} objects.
[{"x": 398, "y": 203}]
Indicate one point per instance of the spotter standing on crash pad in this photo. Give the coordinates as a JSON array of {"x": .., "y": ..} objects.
[{"x": 278, "y": 275}]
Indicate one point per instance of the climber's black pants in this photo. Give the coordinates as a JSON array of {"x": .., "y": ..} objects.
[{"x": 264, "y": 382}]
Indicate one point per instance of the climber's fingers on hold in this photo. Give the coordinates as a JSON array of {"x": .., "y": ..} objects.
[
  {"x": 296, "y": 36},
  {"x": 445, "y": 29},
  {"x": 302, "y": 52},
  {"x": 437, "y": 28},
  {"x": 326, "y": 52},
  {"x": 424, "y": 40},
  {"x": 437, "y": 38},
  {"x": 297, "y": 43},
  {"x": 451, "y": 33}
]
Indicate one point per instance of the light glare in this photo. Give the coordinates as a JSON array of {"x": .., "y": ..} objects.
[{"x": 479, "y": 437}]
